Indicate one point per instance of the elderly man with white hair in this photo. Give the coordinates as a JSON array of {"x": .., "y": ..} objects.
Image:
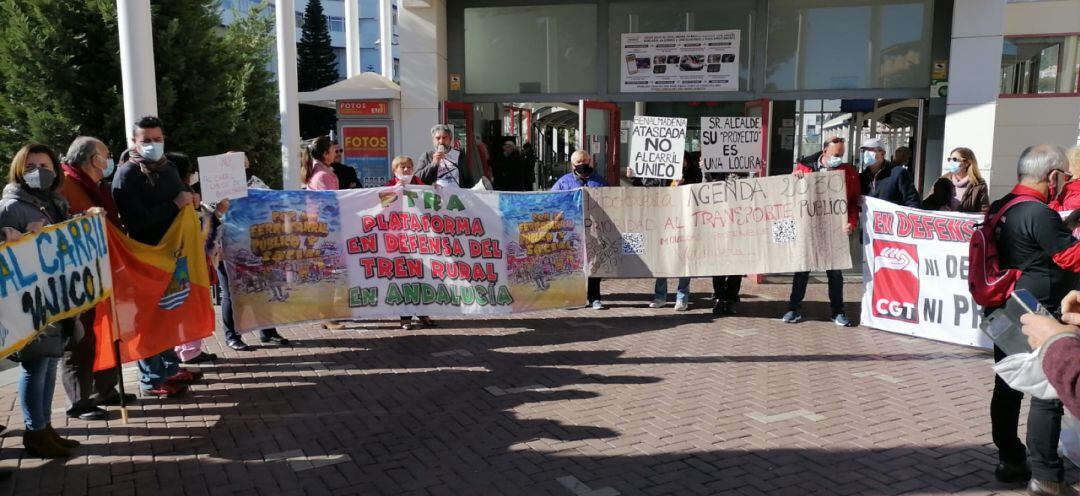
[
  {"x": 885, "y": 180},
  {"x": 1032, "y": 238},
  {"x": 584, "y": 175},
  {"x": 444, "y": 166}
]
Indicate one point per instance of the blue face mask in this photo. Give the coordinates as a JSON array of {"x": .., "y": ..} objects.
[
  {"x": 869, "y": 157},
  {"x": 952, "y": 167},
  {"x": 110, "y": 167},
  {"x": 833, "y": 162},
  {"x": 152, "y": 151}
]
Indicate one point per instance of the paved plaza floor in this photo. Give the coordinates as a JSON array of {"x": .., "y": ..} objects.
[{"x": 629, "y": 400}]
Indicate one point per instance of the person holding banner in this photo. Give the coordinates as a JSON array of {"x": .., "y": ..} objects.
[
  {"x": 885, "y": 180},
  {"x": 1033, "y": 239},
  {"x": 30, "y": 201},
  {"x": 830, "y": 158},
  {"x": 149, "y": 195},
  {"x": 970, "y": 193},
  {"x": 583, "y": 176},
  {"x": 87, "y": 163},
  {"x": 725, "y": 288},
  {"x": 660, "y": 287},
  {"x": 402, "y": 168}
]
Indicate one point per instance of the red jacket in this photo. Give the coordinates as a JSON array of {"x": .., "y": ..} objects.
[
  {"x": 851, "y": 182},
  {"x": 415, "y": 181},
  {"x": 1068, "y": 198}
]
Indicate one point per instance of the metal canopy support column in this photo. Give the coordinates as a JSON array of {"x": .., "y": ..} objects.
[
  {"x": 136, "y": 61},
  {"x": 352, "y": 37},
  {"x": 288, "y": 100}
]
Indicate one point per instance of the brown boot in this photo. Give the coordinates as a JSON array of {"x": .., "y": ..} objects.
[
  {"x": 67, "y": 443},
  {"x": 41, "y": 444}
]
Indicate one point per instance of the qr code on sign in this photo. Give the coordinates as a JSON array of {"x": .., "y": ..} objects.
[
  {"x": 783, "y": 231},
  {"x": 633, "y": 244}
]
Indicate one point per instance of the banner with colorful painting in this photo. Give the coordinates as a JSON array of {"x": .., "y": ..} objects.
[
  {"x": 915, "y": 272},
  {"x": 57, "y": 273},
  {"x": 298, "y": 256}
]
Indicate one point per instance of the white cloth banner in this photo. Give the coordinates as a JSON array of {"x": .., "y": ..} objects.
[{"x": 915, "y": 270}]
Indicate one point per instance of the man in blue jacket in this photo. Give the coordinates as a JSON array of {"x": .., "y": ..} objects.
[
  {"x": 885, "y": 180},
  {"x": 583, "y": 176}
]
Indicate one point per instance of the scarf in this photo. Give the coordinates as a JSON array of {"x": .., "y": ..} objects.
[
  {"x": 151, "y": 169},
  {"x": 97, "y": 191}
]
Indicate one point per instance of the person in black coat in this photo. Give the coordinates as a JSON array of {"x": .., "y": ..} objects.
[{"x": 885, "y": 180}]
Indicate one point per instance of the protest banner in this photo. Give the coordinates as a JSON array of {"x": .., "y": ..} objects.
[
  {"x": 752, "y": 226},
  {"x": 657, "y": 146},
  {"x": 388, "y": 252},
  {"x": 731, "y": 144},
  {"x": 60, "y": 272},
  {"x": 222, "y": 177},
  {"x": 915, "y": 273}
]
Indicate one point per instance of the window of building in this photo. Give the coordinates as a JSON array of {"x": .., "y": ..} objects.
[
  {"x": 335, "y": 24},
  {"x": 531, "y": 49},
  {"x": 686, "y": 15},
  {"x": 1043, "y": 65},
  {"x": 848, "y": 44}
]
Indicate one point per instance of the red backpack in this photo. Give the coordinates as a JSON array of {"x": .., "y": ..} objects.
[{"x": 989, "y": 284}]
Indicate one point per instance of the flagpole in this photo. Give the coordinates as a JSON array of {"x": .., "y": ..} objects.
[{"x": 115, "y": 332}]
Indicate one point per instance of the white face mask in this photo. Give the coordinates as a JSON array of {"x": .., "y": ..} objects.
[
  {"x": 403, "y": 177},
  {"x": 194, "y": 179}
]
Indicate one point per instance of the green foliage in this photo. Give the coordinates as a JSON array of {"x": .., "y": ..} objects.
[
  {"x": 60, "y": 78},
  {"x": 316, "y": 67}
]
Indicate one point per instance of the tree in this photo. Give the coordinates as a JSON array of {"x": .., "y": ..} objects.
[
  {"x": 60, "y": 77},
  {"x": 316, "y": 67}
]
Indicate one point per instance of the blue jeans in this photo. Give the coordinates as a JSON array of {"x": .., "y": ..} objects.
[
  {"x": 154, "y": 370},
  {"x": 683, "y": 294},
  {"x": 36, "y": 385}
]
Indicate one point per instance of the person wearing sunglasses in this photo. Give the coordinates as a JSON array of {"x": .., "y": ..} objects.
[
  {"x": 970, "y": 193},
  {"x": 885, "y": 180}
]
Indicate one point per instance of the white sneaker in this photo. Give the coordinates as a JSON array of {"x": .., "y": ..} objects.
[
  {"x": 658, "y": 303},
  {"x": 681, "y": 306},
  {"x": 598, "y": 305}
]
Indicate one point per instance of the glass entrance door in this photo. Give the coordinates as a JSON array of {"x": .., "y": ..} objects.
[{"x": 598, "y": 127}]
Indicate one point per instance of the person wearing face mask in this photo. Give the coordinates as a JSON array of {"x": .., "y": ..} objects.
[
  {"x": 30, "y": 201},
  {"x": 583, "y": 176},
  {"x": 830, "y": 158},
  {"x": 87, "y": 164},
  {"x": 402, "y": 169},
  {"x": 149, "y": 195},
  {"x": 1032, "y": 238},
  {"x": 884, "y": 180},
  {"x": 1068, "y": 198},
  {"x": 970, "y": 193}
]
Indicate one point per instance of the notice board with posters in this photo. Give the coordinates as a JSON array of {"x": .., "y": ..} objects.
[
  {"x": 366, "y": 148},
  {"x": 680, "y": 61}
]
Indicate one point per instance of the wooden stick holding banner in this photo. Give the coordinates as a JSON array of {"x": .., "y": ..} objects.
[{"x": 115, "y": 332}]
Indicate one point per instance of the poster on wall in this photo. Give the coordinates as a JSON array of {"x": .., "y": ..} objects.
[
  {"x": 680, "y": 61},
  {"x": 367, "y": 149},
  {"x": 731, "y": 144}
]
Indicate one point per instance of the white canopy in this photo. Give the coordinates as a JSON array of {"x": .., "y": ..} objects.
[{"x": 364, "y": 86}]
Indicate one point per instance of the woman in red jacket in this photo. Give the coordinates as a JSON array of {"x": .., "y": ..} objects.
[{"x": 402, "y": 168}]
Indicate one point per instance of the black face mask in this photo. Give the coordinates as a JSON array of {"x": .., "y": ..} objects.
[{"x": 583, "y": 170}]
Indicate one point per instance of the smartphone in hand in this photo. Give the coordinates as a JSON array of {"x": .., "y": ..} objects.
[{"x": 1003, "y": 325}]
